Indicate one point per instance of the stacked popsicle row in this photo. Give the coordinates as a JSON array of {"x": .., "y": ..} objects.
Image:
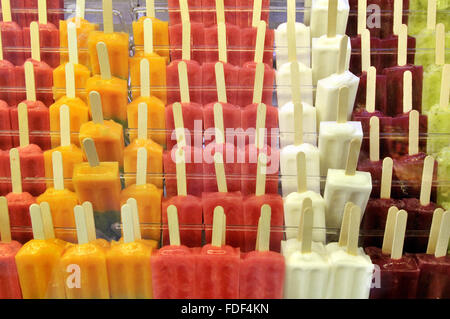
[{"x": 26, "y": 11}]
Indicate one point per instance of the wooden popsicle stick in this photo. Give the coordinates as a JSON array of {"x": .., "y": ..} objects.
[
  {"x": 47, "y": 220},
  {"x": 217, "y": 227},
  {"x": 181, "y": 171},
  {"x": 301, "y": 172},
  {"x": 103, "y": 60},
  {"x": 402, "y": 45},
  {"x": 148, "y": 36},
  {"x": 303, "y": 224},
  {"x": 307, "y": 230},
  {"x": 58, "y": 175},
  {"x": 291, "y": 11},
  {"x": 141, "y": 171},
  {"x": 70, "y": 80},
  {"x": 413, "y": 132},
  {"x": 399, "y": 234},
  {"x": 256, "y": 14},
  {"x": 184, "y": 82},
  {"x": 220, "y": 173},
  {"x": 258, "y": 84},
  {"x": 343, "y": 234},
  {"x": 445, "y": 86},
  {"x": 80, "y": 8},
  {"x": 444, "y": 235},
  {"x": 24, "y": 134},
  {"x": 365, "y": 50},
  {"x": 342, "y": 105},
  {"x": 374, "y": 139},
  {"x": 298, "y": 123},
  {"x": 222, "y": 41},
  {"x": 362, "y": 16},
  {"x": 332, "y": 18},
  {"x": 36, "y": 222},
  {"x": 30, "y": 83},
  {"x": 72, "y": 42},
  {"x": 352, "y": 158},
  {"x": 186, "y": 41},
  {"x": 427, "y": 180},
  {"x": 35, "y": 41},
  {"x": 127, "y": 224},
  {"x": 264, "y": 229},
  {"x": 137, "y": 226},
  {"x": 261, "y": 174},
  {"x": 6, "y": 11},
  {"x": 292, "y": 42},
  {"x": 386, "y": 178},
  {"x": 260, "y": 39},
  {"x": 431, "y": 14},
  {"x": 353, "y": 230},
  {"x": 434, "y": 230},
  {"x": 5, "y": 228},
  {"x": 16, "y": 176},
  {"x": 90, "y": 222},
  {"x": 142, "y": 121},
  {"x": 174, "y": 229},
  {"x": 91, "y": 152},
  {"x": 371, "y": 89},
  {"x": 439, "y": 53},
  {"x": 389, "y": 231},
  {"x": 42, "y": 11},
  {"x": 220, "y": 12},
  {"x": 220, "y": 82},
  {"x": 407, "y": 91},
  {"x": 218, "y": 123},
  {"x": 295, "y": 82},
  {"x": 108, "y": 25},
  {"x": 179, "y": 124},
  {"x": 342, "y": 54},
  {"x": 145, "y": 77},
  {"x": 398, "y": 16},
  {"x": 150, "y": 8},
  {"x": 96, "y": 107},
  {"x": 260, "y": 129},
  {"x": 80, "y": 222},
  {"x": 184, "y": 11}
]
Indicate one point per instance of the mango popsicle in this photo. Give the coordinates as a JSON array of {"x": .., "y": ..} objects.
[
  {"x": 93, "y": 182},
  {"x": 147, "y": 195},
  {"x": 116, "y": 42},
  {"x": 113, "y": 90},
  {"x": 156, "y": 108}
]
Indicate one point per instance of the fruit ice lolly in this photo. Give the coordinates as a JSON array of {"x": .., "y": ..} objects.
[
  {"x": 180, "y": 11},
  {"x": 11, "y": 36},
  {"x": 173, "y": 262},
  {"x": 113, "y": 90},
  {"x": 250, "y": 12},
  {"x": 214, "y": 74},
  {"x": 391, "y": 45},
  {"x": 116, "y": 42},
  {"x": 250, "y": 43},
  {"x": 248, "y": 122},
  {"x": 7, "y": 80},
  {"x": 225, "y": 10},
  {"x": 230, "y": 35},
  {"x": 10, "y": 288},
  {"x": 307, "y": 267},
  {"x": 231, "y": 122},
  {"x": 93, "y": 182},
  {"x": 366, "y": 52},
  {"x": 38, "y": 261},
  {"x": 344, "y": 185},
  {"x": 364, "y": 88},
  {"x": 217, "y": 265},
  {"x": 5, "y": 126},
  {"x": 194, "y": 81},
  {"x": 196, "y": 43},
  {"x": 320, "y": 12},
  {"x": 443, "y": 174}
]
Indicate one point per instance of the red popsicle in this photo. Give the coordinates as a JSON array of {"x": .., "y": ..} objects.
[
  {"x": 388, "y": 55},
  {"x": 195, "y": 40},
  {"x": 231, "y": 123},
  {"x": 191, "y": 116},
  {"x": 232, "y": 42},
  {"x": 356, "y": 57},
  {"x": 213, "y": 14},
  {"x": 11, "y": 36},
  {"x": 248, "y": 121},
  {"x": 255, "y": 84},
  {"x": 177, "y": 9},
  {"x": 250, "y": 12},
  {"x": 8, "y": 82},
  {"x": 194, "y": 81},
  {"x": 249, "y": 44},
  {"x": 5, "y": 126}
]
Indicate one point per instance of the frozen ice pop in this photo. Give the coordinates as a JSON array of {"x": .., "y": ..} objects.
[
  {"x": 320, "y": 12},
  {"x": 257, "y": 38},
  {"x": 116, "y": 42},
  {"x": 249, "y": 12},
  {"x": 183, "y": 10},
  {"x": 5, "y": 126},
  {"x": 11, "y": 36},
  {"x": 226, "y": 38},
  {"x": 7, "y": 79}
]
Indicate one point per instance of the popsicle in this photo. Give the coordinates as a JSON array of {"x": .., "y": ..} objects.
[
  {"x": 7, "y": 81},
  {"x": 217, "y": 265},
  {"x": 189, "y": 207},
  {"x": 320, "y": 12},
  {"x": 350, "y": 268},
  {"x": 417, "y": 22},
  {"x": 224, "y": 37},
  {"x": 147, "y": 194},
  {"x": 113, "y": 90},
  {"x": 262, "y": 268},
  {"x": 116, "y": 42},
  {"x": 182, "y": 10},
  {"x": 335, "y": 137},
  {"x": 173, "y": 265},
  {"x": 249, "y": 12},
  {"x": 93, "y": 182},
  {"x": 11, "y": 36},
  {"x": 5, "y": 126},
  {"x": 160, "y": 32},
  {"x": 90, "y": 259},
  {"x": 106, "y": 134},
  {"x": 434, "y": 265},
  {"x": 249, "y": 43},
  {"x": 79, "y": 111},
  {"x": 398, "y": 273},
  {"x": 344, "y": 185},
  {"x": 443, "y": 171},
  {"x": 307, "y": 267},
  {"x": 81, "y": 71},
  {"x": 129, "y": 264},
  {"x": 38, "y": 261},
  {"x": 10, "y": 288},
  {"x": 328, "y": 88},
  {"x": 156, "y": 67},
  {"x": 253, "y": 204}
]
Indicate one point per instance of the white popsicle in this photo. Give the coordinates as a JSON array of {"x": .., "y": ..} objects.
[{"x": 319, "y": 17}]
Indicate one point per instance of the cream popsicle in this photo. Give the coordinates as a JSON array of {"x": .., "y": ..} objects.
[{"x": 320, "y": 12}]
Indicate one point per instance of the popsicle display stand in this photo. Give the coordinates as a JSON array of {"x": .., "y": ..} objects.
[{"x": 301, "y": 146}]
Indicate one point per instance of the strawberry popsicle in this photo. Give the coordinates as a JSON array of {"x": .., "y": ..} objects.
[
  {"x": 218, "y": 73},
  {"x": 11, "y": 36},
  {"x": 225, "y": 10},
  {"x": 184, "y": 10},
  {"x": 224, "y": 37},
  {"x": 5, "y": 126},
  {"x": 250, "y": 12},
  {"x": 7, "y": 80}
]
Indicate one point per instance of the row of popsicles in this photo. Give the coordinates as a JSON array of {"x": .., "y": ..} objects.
[
  {"x": 134, "y": 268},
  {"x": 23, "y": 12}
]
